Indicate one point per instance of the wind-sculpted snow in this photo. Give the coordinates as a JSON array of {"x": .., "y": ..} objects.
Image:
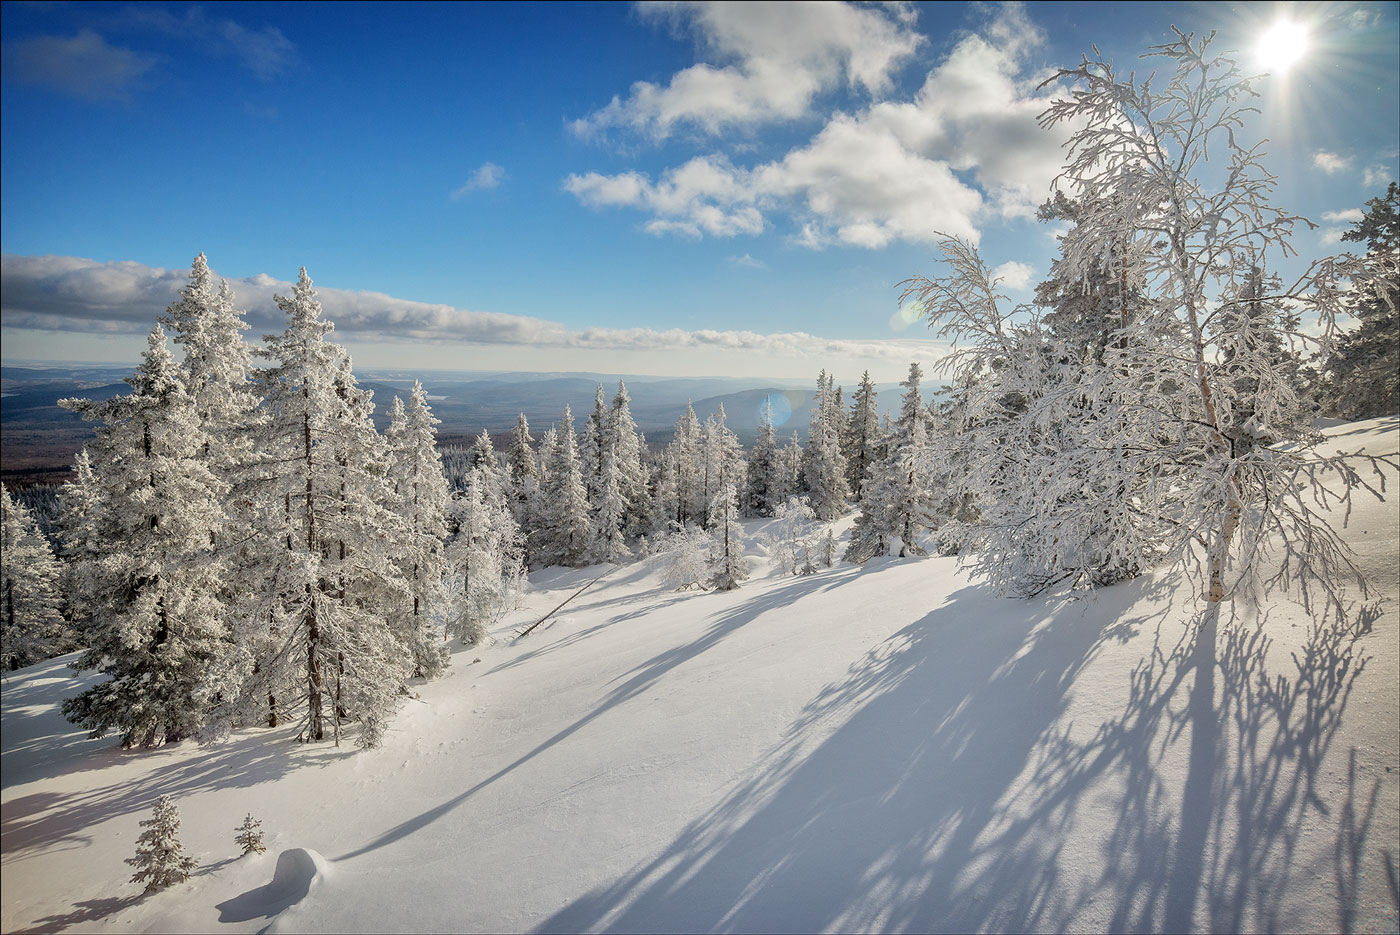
[{"x": 887, "y": 747}]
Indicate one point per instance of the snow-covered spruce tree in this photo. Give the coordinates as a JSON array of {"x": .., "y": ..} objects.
[
  {"x": 249, "y": 837},
  {"x": 729, "y": 565},
  {"x": 328, "y": 589},
  {"x": 825, "y": 467},
  {"x": 1155, "y": 470},
  {"x": 421, "y": 500},
  {"x": 520, "y": 458},
  {"x": 486, "y": 553},
  {"x": 627, "y": 445},
  {"x": 665, "y": 499},
  {"x": 897, "y": 509},
  {"x": 592, "y": 444},
  {"x": 764, "y": 482},
  {"x": 1363, "y": 367},
  {"x": 606, "y": 536},
  {"x": 721, "y": 460},
  {"x": 30, "y": 599},
  {"x": 791, "y": 461},
  {"x": 160, "y": 858},
  {"x": 686, "y": 450},
  {"x": 147, "y": 589},
  {"x": 862, "y": 435},
  {"x": 564, "y": 506}
]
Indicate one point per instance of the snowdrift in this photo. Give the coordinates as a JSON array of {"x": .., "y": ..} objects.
[{"x": 882, "y": 748}]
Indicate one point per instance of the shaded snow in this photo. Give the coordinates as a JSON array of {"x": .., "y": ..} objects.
[{"x": 891, "y": 748}]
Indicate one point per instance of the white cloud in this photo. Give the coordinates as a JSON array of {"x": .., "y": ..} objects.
[
  {"x": 776, "y": 58},
  {"x": 84, "y": 66},
  {"x": 1331, "y": 235},
  {"x": 1350, "y": 215},
  {"x": 968, "y": 144},
  {"x": 748, "y": 261},
  {"x": 1331, "y": 163},
  {"x": 1015, "y": 275},
  {"x": 489, "y": 175},
  {"x": 1377, "y": 175},
  {"x": 264, "y": 51},
  {"x": 71, "y": 294}
]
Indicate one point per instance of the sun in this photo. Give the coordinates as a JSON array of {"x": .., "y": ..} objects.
[{"x": 1283, "y": 44}]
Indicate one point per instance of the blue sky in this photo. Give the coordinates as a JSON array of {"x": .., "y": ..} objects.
[{"x": 677, "y": 188}]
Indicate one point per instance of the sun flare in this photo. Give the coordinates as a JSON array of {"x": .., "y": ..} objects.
[{"x": 1283, "y": 44}]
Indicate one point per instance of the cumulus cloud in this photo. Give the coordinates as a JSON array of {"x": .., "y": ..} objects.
[
  {"x": 85, "y": 66},
  {"x": 1376, "y": 176},
  {"x": 1331, "y": 163},
  {"x": 61, "y": 293},
  {"x": 775, "y": 59},
  {"x": 489, "y": 175},
  {"x": 1015, "y": 275},
  {"x": 1349, "y": 216},
  {"x": 966, "y": 145}
]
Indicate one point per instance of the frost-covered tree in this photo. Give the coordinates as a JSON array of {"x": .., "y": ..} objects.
[
  {"x": 686, "y": 451},
  {"x": 729, "y": 565},
  {"x": 721, "y": 460},
  {"x": 520, "y": 459},
  {"x": 686, "y": 557},
  {"x": 825, "y": 467},
  {"x": 791, "y": 461},
  {"x": 564, "y": 506},
  {"x": 898, "y": 507},
  {"x": 763, "y": 487},
  {"x": 160, "y": 858},
  {"x": 592, "y": 444},
  {"x": 790, "y": 537},
  {"x": 145, "y": 585},
  {"x": 328, "y": 591},
  {"x": 862, "y": 435},
  {"x": 1098, "y": 466},
  {"x": 30, "y": 597},
  {"x": 421, "y": 501},
  {"x": 249, "y": 837},
  {"x": 626, "y": 444},
  {"x": 1363, "y": 368},
  {"x": 607, "y": 536},
  {"x": 666, "y": 499},
  {"x": 486, "y": 553}
]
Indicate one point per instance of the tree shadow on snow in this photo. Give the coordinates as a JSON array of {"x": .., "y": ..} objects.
[
  {"x": 84, "y": 911},
  {"x": 952, "y": 798}
]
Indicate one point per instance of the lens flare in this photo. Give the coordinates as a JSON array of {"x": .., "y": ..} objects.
[{"x": 782, "y": 408}]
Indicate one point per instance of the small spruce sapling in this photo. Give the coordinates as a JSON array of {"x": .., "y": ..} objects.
[
  {"x": 160, "y": 858},
  {"x": 249, "y": 836}
]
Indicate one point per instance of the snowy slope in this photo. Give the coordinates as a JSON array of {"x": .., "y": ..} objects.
[{"x": 886, "y": 748}]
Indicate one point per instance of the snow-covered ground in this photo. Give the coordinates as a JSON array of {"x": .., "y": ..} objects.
[{"x": 882, "y": 748}]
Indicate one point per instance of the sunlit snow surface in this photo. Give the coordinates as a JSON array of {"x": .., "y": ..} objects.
[{"x": 888, "y": 748}]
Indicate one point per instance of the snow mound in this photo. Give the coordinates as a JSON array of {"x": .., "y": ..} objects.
[{"x": 298, "y": 872}]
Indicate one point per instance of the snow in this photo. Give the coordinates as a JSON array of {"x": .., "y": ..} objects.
[{"x": 889, "y": 747}]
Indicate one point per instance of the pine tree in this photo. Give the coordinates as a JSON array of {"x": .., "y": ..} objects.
[
  {"x": 421, "y": 499},
  {"x": 30, "y": 599},
  {"x": 862, "y": 436},
  {"x": 249, "y": 837},
  {"x": 160, "y": 857},
  {"x": 763, "y": 487},
  {"x": 145, "y": 585},
  {"x": 327, "y": 593}
]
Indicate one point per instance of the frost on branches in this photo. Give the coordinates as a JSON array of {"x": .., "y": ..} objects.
[{"x": 1183, "y": 441}]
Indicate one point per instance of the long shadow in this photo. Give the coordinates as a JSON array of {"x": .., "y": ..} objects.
[
  {"x": 633, "y": 683},
  {"x": 870, "y": 828},
  {"x": 952, "y": 798},
  {"x": 84, "y": 911},
  {"x": 43, "y": 821}
]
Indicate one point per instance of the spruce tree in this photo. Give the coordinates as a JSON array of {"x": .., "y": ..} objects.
[
  {"x": 627, "y": 444},
  {"x": 764, "y": 482},
  {"x": 592, "y": 446},
  {"x": 862, "y": 436},
  {"x": 160, "y": 857},
  {"x": 421, "y": 499},
  {"x": 249, "y": 837},
  {"x": 825, "y": 469},
  {"x": 30, "y": 597},
  {"x": 327, "y": 594},
  {"x": 146, "y": 586},
  {"x": 899, "y": 505},
  {"x": 686, "y": 452},
  {"x": 729, "y": 565},
  {"x": 565, "y": 503}
]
